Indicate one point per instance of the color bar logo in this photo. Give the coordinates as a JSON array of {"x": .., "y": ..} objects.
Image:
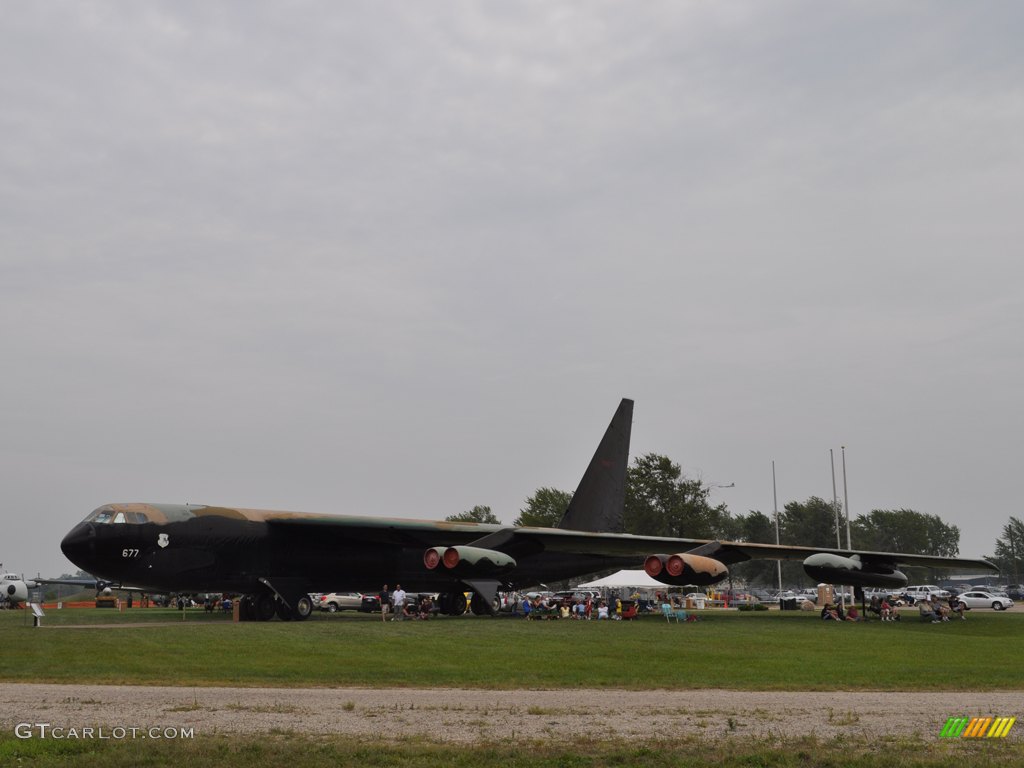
[{"x": 977, "y": 727}]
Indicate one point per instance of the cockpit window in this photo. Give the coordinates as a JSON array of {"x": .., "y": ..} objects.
[
  {"x": 119, "y": 517},
  {"x": 103, "y": 516}
]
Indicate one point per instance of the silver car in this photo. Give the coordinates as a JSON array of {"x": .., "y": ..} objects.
[
  {"x": 978, "y": 599},
  {"x": 349, "y": 601}
]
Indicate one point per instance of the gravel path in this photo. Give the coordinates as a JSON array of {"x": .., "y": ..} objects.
[{"x": 472, "y": 715}]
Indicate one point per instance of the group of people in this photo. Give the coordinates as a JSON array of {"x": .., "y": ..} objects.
[
  {"x": 934, "y": 610},
  {"x": 884, "y": 609},
  {"x": 836, "y": 613},
  {"x": 881, "y": 608},
  {"x": 401, "y": 606},
  {"x": 583, "y": 609}
]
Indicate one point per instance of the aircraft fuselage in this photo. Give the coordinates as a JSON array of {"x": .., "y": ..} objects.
[{"x": 182, "y": 549}]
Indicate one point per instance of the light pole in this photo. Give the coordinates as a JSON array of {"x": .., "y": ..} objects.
[
  {"x": 846, "y": 500},
  {"x": 835, "y": 506},
  {"x": 775, "y": 506}
]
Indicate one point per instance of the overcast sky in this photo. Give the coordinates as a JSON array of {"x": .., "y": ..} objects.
[{"x": 405, "y": 258}]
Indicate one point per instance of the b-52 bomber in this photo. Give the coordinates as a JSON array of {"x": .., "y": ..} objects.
[{"x": 275, "y": 559}]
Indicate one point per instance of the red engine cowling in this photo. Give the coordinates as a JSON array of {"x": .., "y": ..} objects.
[
  {"x": 468, "y": 560},
  {"x": 684, "y": 568}
]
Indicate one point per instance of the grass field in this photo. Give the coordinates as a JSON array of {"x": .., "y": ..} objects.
[
  {"x": 753, "y": 651},
  {"x": 300, "y": 751}
]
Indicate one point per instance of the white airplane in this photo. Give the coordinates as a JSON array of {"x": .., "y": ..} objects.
[{"x": 14, "y": 589}]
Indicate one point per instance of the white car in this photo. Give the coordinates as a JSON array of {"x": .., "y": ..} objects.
[
  {"x": 925, "y": 592},
  {"x": 349, "y": 601},
  {"x": 978, "y": 599}
]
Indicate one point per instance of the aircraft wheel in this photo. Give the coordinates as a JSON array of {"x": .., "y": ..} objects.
[
  {"x": 247, "y": 610},
  {"x": 479, "y": 606},
  {"x": 303, "y": 608},
  {"x": 264, "y": 608},
  {"x": 453, "y": 603},
  {"x": 283, "y": 612}
]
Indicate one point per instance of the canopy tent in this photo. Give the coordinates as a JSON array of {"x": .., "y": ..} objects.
[{"x": 638, "y": 579}]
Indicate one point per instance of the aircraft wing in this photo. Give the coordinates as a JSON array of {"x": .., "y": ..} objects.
[
  {"x": 728, "y": 552},
  {"x": 98, "y": 584},
  {"x": 522, "y": 543}
]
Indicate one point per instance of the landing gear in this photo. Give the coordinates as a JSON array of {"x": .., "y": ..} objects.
[
  {"x": 480, "y": 606},
  {"x": 264, "y": 607},
  {"x": 303, "y": 608},
  {"x": 452, "y": 603},
  {"x": 246, "y": 609},
  {"x": 285, "y": 597}
]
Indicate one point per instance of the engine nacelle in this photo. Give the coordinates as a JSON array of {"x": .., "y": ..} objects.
[
  {"x": 838, "y": 569},
  {"x": 466, "y": 560},
  {"x": 685, "y": 568}
]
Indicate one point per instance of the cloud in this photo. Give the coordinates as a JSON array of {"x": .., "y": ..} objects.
[{"x": 405, "y": 260}]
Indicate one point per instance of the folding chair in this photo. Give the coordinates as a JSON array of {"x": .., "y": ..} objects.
[{"x": 666, "y": 611}]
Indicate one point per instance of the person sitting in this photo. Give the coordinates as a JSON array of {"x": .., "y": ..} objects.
[
  {"x": 940, "y": 610},
  {"x": 853, "y": 614},
  {"x": 887, "y": 612},
  {"x": 602, "y": 610},
  {"x": 426, "y": 607},
  {"x": 875, "y": 606},
  {"x": 542, "y": 608},
  {"x": 957, "y": 607},
  {"x": 829, "y": 613},
  {"x": 924, "y": 609}
]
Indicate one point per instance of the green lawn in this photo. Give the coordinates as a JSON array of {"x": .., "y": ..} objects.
[
  {"x": 303, "y": 751},
  {"x": 751, "y": 651}
]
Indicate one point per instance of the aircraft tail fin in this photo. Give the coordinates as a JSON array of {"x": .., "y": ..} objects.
[{"x": 597, "y": 506}]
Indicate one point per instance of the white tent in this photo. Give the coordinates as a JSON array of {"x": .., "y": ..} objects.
[{"x": 638, "y": 579}]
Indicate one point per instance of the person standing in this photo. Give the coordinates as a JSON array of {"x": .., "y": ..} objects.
[
  {"x": 385, "y": 600},
  {"x": 398, "y": 600}
]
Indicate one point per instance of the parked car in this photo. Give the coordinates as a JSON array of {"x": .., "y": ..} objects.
[
  {"x": 925, "y": 592},
  {"x": 349, "y": 601},
  {"x": 979, "y": 599}
]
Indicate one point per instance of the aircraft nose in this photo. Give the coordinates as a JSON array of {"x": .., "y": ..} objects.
[{"x": 79, "y": 545}]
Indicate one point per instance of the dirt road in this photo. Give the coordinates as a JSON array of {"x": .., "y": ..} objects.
[{"x": 471, "y": 715}]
